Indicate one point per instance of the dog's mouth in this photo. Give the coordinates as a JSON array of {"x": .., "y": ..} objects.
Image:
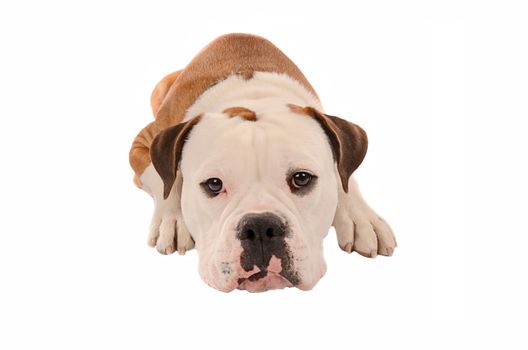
[
  {"x": 272, "y": 276},
  {"x": 262, "y": 281},
  {"x": 254, "y": 277}
]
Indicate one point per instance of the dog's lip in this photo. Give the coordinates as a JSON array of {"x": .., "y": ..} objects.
[
  {"x": 269, "y": 281},
  {"x": 260, "y": 275},
  {"x": 255, "y": 277}
]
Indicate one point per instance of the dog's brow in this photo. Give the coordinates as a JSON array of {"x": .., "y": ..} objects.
[
  {"x": 299, "y": 109},
  {"x": 241, "y": 112}
]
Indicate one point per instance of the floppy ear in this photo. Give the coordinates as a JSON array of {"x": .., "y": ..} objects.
[
  {"x": 348, "y": 141},
  {"x": 166, "y": 150}
]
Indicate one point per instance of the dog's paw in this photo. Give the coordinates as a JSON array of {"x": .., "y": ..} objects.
[
  {"x": 169, "y": 234},
  {"x": 363, "y": 231}
]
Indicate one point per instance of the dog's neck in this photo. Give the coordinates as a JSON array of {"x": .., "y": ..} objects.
[{"x": 260, "y": 93}]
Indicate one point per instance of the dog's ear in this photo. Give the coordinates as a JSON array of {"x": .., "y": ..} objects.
[
  {"x": 166, "y": 150},
  {"x": 348, "y": 141}
]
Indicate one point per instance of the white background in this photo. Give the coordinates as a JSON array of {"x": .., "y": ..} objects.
[{"x": 441, "y": 89}]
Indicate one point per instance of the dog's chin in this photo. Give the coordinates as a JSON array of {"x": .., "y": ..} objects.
[{"x": 257, "y": 284}]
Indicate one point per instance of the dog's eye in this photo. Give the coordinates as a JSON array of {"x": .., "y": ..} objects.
[
  {"x": 301, "y": 182},
  {"x": 301, "y": 179},
  {"x": 212, "y": 186}
]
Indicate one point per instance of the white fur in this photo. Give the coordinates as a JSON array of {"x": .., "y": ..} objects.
[
  {"x": 253, "y": 160},
  {"x": 264, "y": 90}
]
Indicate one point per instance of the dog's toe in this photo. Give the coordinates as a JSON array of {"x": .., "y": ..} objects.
[
  {"x": 386, "y": 241},
  {"x": 165, "y": 250},
  {"x": 167, "y": 235},
  {"x": 365, "y": 242},
  {"x": 184, "y": 240},
  {"x": 153, "y": 233}
]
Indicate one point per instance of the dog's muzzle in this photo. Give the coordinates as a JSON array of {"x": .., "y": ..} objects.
[{"x": 266, "y": 256}]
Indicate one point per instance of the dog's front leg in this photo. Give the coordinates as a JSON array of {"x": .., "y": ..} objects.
[
  {"x": 168, "y": 232},
  {"x": 359, "y": 228}
]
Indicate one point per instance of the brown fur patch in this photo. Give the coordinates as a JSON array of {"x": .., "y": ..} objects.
[
  {"x": 299, "y": 109},
  {"x": 167, "y": 149},
  {"x": 247, "y": 75},
  {"x": 348, "y": 141},
  {"x": 241, "y": 112}
]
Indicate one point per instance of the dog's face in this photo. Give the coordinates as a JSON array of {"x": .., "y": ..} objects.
[{"x": 259, "y": 192}]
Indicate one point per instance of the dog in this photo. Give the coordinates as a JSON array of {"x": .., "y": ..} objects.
[{"x": 244, "y": 165}]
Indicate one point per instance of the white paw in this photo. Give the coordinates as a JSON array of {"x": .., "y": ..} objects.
[
  {"x": 360, "y": 229},
  {"x": 169, "y": 234}
]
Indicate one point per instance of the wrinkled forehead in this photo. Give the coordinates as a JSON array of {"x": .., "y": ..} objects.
[{"x": 277, "y": 138}]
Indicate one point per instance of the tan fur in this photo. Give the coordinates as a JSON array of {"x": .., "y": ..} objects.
[
  {"x": 160, "y": 91},
  {"x": 230, "y": 54},
  {"x": 241, "y": 112},
  {"x": 298, "y": 109},
  {"x": 139, "y": 156}
]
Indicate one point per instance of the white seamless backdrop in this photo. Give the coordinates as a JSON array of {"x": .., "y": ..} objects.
[{"x": 439, "y": 86}]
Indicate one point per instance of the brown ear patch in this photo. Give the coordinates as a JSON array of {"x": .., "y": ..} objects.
[
  {"x": 348, "y": 141},
  {"x": 241, "y": 112},
  {"x": 166, "y": 151}
]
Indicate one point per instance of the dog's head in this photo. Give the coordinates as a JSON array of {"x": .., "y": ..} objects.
[{"x": 260, "y": 190}]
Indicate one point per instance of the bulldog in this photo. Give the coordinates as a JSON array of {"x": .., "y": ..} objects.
[{"x": 244, "y": 165}]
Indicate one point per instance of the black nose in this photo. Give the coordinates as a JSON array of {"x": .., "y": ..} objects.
[
  {"x": 260, "y": 227},
  {"x": 262, "y": 236}
]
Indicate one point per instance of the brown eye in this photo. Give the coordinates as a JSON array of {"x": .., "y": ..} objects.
[
  {"x": 301, "y": 179},
  {"x": 212, "y": 186}
]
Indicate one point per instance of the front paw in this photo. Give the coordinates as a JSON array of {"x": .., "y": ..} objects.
[
  {"x": 168, "y": 234},
  {"x": 363, "y": 231}
]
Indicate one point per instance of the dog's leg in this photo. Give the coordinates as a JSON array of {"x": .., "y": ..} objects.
[
  {"x": 168, "y": 232},
  {"x": 359, "y": 228}
]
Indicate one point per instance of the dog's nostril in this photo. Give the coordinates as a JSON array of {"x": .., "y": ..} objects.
[
  {"x": 250, "y": 234},
  {"x": 260, "y": 227}
]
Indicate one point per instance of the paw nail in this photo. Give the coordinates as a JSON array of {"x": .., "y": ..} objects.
[
  {"x": 166, "y": 251},
  {"x": 348, "y": 248},
  {"x": 373, "y": 253},
  {"x": 363, "y": 254},
  {"x": 181, "y": 251},
  {"x": 390, "y": 251}
]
